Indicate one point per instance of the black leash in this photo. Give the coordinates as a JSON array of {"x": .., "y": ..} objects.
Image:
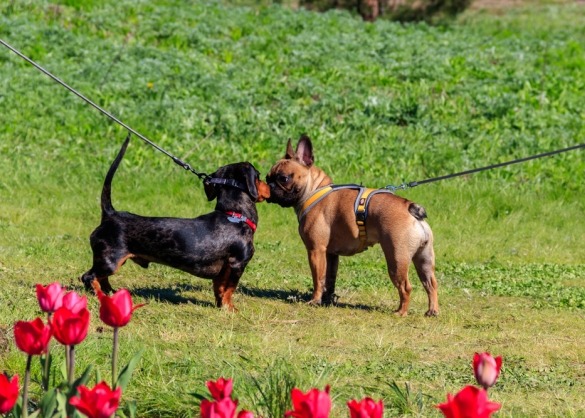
[
  {"x": 177, "y": 161},
  {"x": 475, "y": 170}
]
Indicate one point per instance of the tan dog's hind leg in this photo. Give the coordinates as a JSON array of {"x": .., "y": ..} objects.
[
  {"x": 424, "y": 261},
  {"x": 398, "y": 271},
  {"x": 318, "y": 262}
]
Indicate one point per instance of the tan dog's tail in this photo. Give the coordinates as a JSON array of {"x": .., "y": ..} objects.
[
  {"x": 107, "y": 208},
  {"x": 417, "y": 211}
]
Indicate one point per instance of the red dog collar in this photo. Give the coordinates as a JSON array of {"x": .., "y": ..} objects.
[{"x": 239, "y": 218}]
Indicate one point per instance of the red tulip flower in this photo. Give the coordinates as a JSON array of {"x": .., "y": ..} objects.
[
  {"x": 50, "y": 297},
  {"x": 32, "y": 337},
  {"x": 99, "y": 402},
  {"x": 8, "y": 393},
  {"x": 223, "y": 408},
  {"x": 366, "y": 408},
  {"x": 220, "y": 389},
  {"x": 313, "y": 404},
  {"x": 116, "y": 311},
  {"x": 74, "y": 302},
  {"x": 486, "y": 369},
  {"x": 245, "y": 414},
  {"x": 70, "y": 328},
  {"x": 470, "y": 402}
]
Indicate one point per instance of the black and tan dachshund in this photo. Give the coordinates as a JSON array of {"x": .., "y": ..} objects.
[{"x": 216, "y": 246}]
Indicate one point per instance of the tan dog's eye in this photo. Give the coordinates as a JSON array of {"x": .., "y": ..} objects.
[{"x": 282, "y": 179}]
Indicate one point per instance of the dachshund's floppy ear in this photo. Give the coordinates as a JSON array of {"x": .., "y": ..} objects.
[
  {"x": 210, "y": 189},
  {"x": 251, "y": 177}
]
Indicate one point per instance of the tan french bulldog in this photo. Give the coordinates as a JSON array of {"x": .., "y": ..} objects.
[{"x": 344, "y": 220}]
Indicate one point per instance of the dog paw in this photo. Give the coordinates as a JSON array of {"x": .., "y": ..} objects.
[
  {"x": 432, "y": 312},
  {"x": 314, "y": 302},
  {"x": 400, "y": 313},
  {"x": 230, "y": 308}
]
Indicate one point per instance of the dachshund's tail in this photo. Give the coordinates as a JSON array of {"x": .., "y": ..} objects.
[{"x": 107, "y": 208}]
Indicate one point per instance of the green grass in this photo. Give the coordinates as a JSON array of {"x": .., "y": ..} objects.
[{"x": 384, "y": 103}]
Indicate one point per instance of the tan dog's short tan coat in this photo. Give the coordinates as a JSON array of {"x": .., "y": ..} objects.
[{"x": 329, "y": 229}]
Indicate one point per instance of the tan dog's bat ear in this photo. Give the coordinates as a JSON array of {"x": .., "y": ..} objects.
[
  {"x": 304, "y": 152},
  {"x": 290, "y": 153}
]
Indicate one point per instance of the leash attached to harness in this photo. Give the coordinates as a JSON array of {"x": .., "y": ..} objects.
[{"x": 360, "y": 206}]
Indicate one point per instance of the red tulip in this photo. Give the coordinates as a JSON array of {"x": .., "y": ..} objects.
[
  {"x": 74, "y": 302},
  {"x": 116, "y": 311},
  {"x": 313, "y": 404},
  {"x": 70, "y": 328},
  {"x": 32, "y": 337},
  {"x": 470, "y": 402},
  {"x": 245, "y": 414},
  {"x": 366, "y": 408},
  {"x": 224, "y": 408},
  {"x": 8, "y": 393},
  {"x": 50, "y": 297},
  {"x": 99, "y": 402},
  {"x": 222, "y": 388},
  {"x": 486, "y": 369}
]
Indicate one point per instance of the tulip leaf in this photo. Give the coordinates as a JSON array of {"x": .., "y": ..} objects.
[
  {"x": 132, "y": 409},
  {"x": 63, "y": 370},
  {"x": 61, "y": 405},
  {"x": 98, "y": 376},
  {"x": 199, "y": 396},
  {"x": 126, "y": 373},
  {"x": 82, "y": 380},
  {"x": 49, "y": 403}
]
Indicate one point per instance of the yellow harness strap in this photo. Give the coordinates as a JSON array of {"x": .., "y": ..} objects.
[
  {"x": 318, "y": 195},
  {"x": 360, "y": 206},
  {"x": 361, "y": 213}
]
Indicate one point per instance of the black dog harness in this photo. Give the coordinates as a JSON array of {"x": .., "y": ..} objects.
[
  {"x": 360, "y": 206},
  {"x": 237, "y": 218}
]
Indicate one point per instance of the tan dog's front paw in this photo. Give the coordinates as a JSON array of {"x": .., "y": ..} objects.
[
  {"x": 432, "y": 312},
  {"x": 314, "y": 302},
  {"x": 401, "y": 313}
]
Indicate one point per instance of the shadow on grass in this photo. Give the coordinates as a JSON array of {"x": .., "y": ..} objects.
[
  {"x": 294, "y": 296},
  {"x": 173, "y": 294}
]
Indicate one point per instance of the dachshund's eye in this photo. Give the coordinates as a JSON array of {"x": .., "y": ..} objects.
[{"x": 282, "y": 179}]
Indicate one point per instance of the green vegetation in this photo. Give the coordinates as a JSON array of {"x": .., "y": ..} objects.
[{"x": 384, "y": 103}]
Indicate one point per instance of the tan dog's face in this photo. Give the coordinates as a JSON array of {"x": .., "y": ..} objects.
[{"x": 288, "y": 177}]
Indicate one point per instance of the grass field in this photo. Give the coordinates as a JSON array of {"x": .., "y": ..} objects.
[{"x": 384, "y": 103}]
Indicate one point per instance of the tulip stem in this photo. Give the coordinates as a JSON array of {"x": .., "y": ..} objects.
[
  {"x": 70, "y": 364},
  {"x": 115, "y": 358},
  {"x": 45, "y": 379},
  {"x": 25, "y": 388}
]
